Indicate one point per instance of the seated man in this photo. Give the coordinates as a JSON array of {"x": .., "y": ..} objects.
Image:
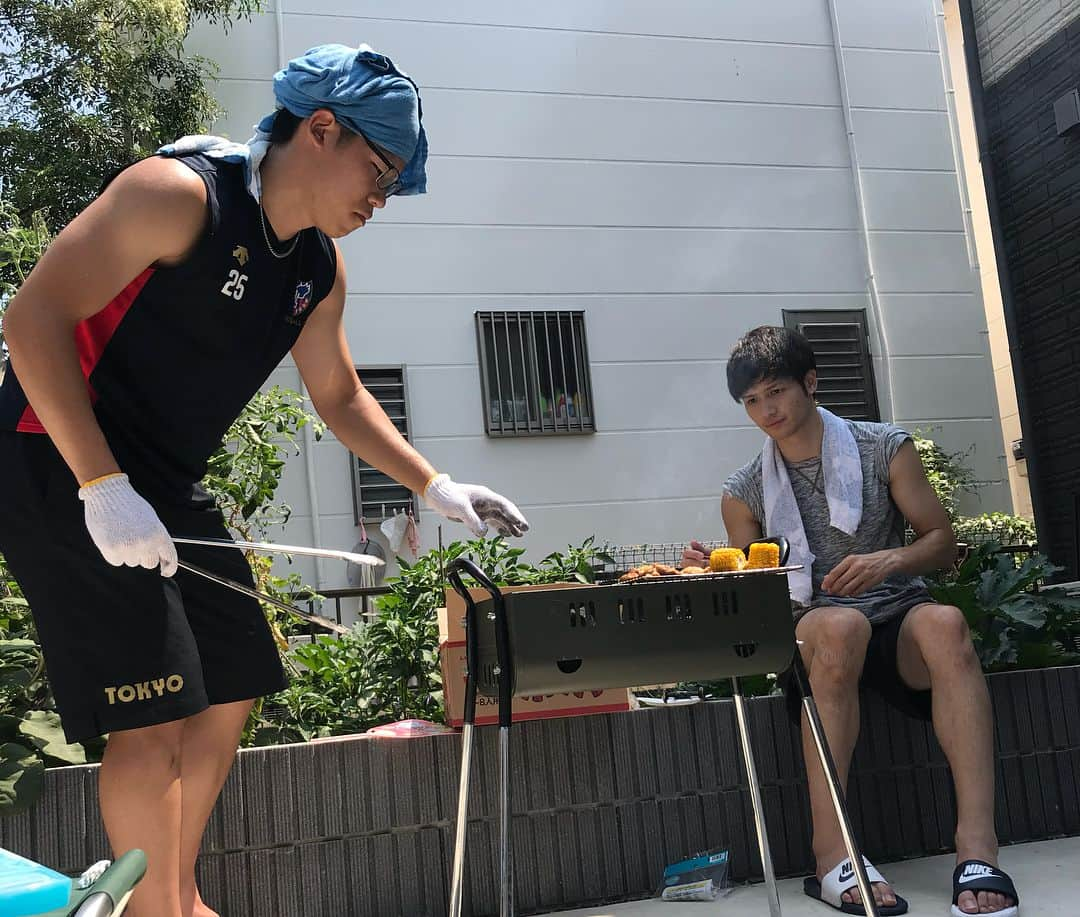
[{"x": 840, "y": 491}]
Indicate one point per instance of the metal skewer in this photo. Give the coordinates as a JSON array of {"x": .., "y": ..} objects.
[
  {"x": 364, "y": 560},
  {"x": 262, "y": 597}
]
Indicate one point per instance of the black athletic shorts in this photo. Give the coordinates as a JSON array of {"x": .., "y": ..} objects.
[
  {"x": 879, "y": 674},
  {"x": 126, "y": 647}
]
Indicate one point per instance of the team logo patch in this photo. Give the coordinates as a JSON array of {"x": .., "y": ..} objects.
[
  {"x": 302, "y": 297},
  {"x": 240, "y": 253}
]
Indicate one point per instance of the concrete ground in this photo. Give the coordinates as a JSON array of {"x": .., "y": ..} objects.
[{"x": 1046, "y": 873}]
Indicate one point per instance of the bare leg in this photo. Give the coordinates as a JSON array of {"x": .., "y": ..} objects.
[
  {"x": 935, "y": 651},
  {"x": 834, "y": 642},
  {"x": 209, "y": 747},
  {"x": 140, "y": 791}
]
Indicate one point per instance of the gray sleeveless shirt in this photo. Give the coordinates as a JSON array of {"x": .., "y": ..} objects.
[{"x": 882, "y": 525}]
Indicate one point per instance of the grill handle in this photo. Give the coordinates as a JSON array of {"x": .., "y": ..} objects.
[{"x": 472, "y": 651}]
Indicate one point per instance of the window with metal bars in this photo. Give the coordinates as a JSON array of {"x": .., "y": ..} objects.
[
  {"x": 534, "y": 373},
  {"x": 841, "y": 343},
  {"x": 375, "y": 495}
]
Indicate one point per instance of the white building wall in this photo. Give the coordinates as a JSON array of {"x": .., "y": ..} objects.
[{"x": 680, "y": 172}]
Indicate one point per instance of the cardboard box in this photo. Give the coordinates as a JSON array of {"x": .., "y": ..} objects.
[
  {"x": 452, "y": 661},
  {"x": 452, "y": 615}
]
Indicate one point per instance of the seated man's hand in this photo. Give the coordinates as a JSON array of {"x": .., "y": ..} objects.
[
  {"x": 857, "y": 573},
  {"x": 696, "y": 555}
]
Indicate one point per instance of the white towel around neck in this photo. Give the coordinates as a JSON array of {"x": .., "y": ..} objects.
[{"x": 841, "y": 469}]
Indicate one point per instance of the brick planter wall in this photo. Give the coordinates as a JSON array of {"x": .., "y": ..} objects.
[{"x": 365, "y": 827}]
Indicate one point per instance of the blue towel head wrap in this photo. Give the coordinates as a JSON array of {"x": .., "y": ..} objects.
[{"x": 367, "y": 94}]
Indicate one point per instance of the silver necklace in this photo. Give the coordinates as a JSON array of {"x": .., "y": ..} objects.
[{"x": 266, "y": 236}]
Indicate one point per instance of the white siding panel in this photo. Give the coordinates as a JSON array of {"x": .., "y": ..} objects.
[
  {"x": 245, "y": 104},
  {"x": 247, "y": 50},
  {"x": 900, "y": 26},
  {"x": 467, "y": 123},
  {"x": 481, "y": 190},
  {"x": 559, "y": 61},
  {"x": 990, "y": 498},
  {"x": 895, "y": 79},
  {"x": 913, "y": 200},
  {"x": 575, "y": 127},
  {"x": 671, "y": 396},
  {"x": 423, "y": 330},
  {"x": 446, "y": 401},
  {"x": 927, "y": 323},
  {"x": 332, "y": 479},
  {"x": 659, "y": 464},
  {"x": 628, "y": 397},
  {"x": 780, "y": 20},
  {"x": 505, "y": 260},
  {"x": 922, "y": 262},
  {"x": 980, "y": 442},
  {"x": 903, "y": 140},
  {"x": 943, "y": 387},
  {"x": 293, "y": 489}
]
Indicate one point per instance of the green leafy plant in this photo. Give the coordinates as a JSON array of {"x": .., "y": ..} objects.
[
  {"x": 946, "y": 472},
  {"x": 244, "y": 474},
  {"x": 88, "y": 86},
  {"x": 1000, "y": 527},
  {"x": 1013, "y": 624},
  {"x": 22, "y": 243},
  {"x": 389, "y": 669}
]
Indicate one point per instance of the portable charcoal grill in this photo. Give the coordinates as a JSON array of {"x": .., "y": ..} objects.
[{"x": 649, "y": 631}]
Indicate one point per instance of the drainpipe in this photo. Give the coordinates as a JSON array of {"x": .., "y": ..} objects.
[
  {"x": 860, "y": 207},
  {"x": 309, "y": 436},
  {"x": 986, "y": 160}
]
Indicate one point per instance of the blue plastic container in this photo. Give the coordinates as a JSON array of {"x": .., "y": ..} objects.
[{"x": 29, "y": 888}]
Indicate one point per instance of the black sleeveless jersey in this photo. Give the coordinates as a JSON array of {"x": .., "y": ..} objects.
[{"x": 173, "y": 359}]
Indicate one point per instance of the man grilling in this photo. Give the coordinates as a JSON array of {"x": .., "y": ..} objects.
[
  {"x": 840, "y": 491},
  {"x": 136, "y": 341}
]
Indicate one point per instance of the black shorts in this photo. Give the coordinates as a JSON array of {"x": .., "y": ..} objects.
[
  {"x": 879, "y": 673},
  {"x": 126, "y": 647}
]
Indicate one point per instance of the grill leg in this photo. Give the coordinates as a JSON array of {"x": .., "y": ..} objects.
[
  {"x": 506, "y": 865},
  {"x": 821, "y": 743},
  {"x": 755, "y": 798},
  {"x": 458, "y": 879}
]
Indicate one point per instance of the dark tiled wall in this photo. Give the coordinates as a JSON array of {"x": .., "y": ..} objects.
[
  {"x": 365, "y": 827},
  {"x": 1037, "y": 180}
]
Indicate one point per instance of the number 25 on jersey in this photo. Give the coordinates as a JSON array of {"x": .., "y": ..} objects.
[{"x": 234, "y": 286}]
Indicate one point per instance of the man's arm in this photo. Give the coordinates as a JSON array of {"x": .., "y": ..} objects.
[
  {"x": 934, "y": 547},
  {"x": 358, "y": 420},
  {"x": 152, "y": 213},
  {"x": 351, "y": 411},
  {"x": 739, "y": 522}
]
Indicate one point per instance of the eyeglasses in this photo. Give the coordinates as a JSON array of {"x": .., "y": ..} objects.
[{"x": 389, "y": 180}]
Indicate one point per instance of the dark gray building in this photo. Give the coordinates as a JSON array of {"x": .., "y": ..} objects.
[{"x": 1024, "y": 78}]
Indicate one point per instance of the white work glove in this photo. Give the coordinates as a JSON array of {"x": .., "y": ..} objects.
[
  {"x": 476, "y": 506},
  {"x": 125, "y": 527}
]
